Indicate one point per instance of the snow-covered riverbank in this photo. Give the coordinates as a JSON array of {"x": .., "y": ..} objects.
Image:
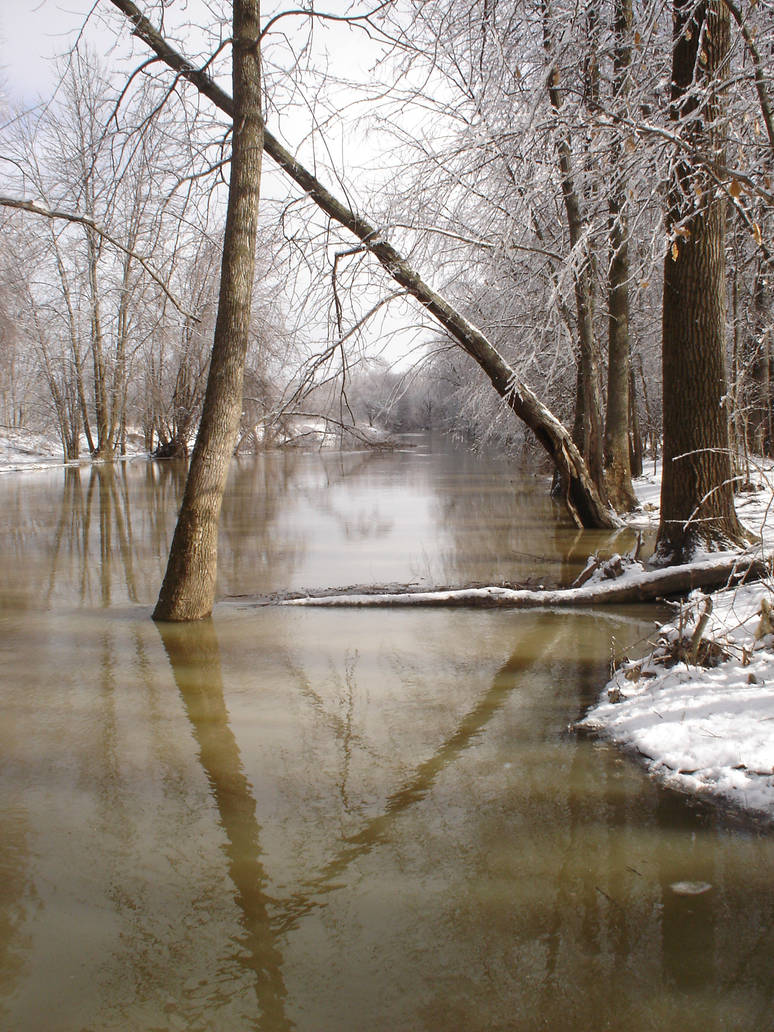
[
  {"x": 22, "y": 449},
  {"x": 25, "y": 449},
  {"x": 705, "y": 729}
]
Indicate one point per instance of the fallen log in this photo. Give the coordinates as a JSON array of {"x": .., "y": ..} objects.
[{"x": 721, "y": 570}]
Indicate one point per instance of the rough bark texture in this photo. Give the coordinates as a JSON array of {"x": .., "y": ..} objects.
[
  {"x": 188, "y": 591},
  {"x": 585, "y": 505},
  {"x": 587, "y": 431},
  {"x": 697, "y": 498},
  {"x": 635, "y": 432},
  {"x": 617, "y": 458}
]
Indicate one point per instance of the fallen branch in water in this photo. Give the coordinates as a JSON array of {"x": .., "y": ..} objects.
[{"x": 645, "y": 586}]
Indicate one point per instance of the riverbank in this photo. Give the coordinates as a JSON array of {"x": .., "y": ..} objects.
[
  {"x": 699, "y": 710},
  {"x": 707, "y": 730},
  {"x": 22, "y": 449}
]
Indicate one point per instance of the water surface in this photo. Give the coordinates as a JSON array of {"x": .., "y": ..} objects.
[{"x": 340, "y": 820}]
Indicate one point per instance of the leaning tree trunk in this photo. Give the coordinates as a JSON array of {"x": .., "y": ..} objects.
[
  {"x": 585, "y": 505},
  {"x": 188, "y": 591},
  {"x": 697, "y": 498}
]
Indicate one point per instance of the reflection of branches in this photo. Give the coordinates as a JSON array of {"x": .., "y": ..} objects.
[
  {"x": 195, "y": 658},
  {"x": 71, "y": 511},
  {"x": 376, "y": 830},
  {"x": 340, "y": 728}
]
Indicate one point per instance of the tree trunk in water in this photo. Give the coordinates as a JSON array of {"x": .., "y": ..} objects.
[
  {"x": 585, "y": 505},
  {"x": 103, "y": 449},
  {"x": 587, "y": 430},
  {"x": 188, "y": 591},
  {"x": 697, "y": 498},
  {"x": 617, "y": 459}
]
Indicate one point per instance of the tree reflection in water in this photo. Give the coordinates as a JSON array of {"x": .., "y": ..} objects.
[{"x": 195, "y": 658}]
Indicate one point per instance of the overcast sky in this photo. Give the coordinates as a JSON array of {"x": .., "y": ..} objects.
[{"x": 32, "y": 33}]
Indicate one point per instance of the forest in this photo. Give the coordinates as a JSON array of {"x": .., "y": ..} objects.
[
  {"x": 576, "y": 199},
  {"x": 386, "y": 595}
]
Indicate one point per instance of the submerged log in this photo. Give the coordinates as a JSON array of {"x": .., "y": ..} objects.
[{"x": 716, "y": 571}]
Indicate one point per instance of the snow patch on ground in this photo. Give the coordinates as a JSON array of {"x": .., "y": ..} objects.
[
  {"x": 705, "y": 729},
  {"x": 26, "y": 449}
]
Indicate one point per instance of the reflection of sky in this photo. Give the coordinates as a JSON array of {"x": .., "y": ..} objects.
[
  {"x": 371, "y": 533},
  {"x": 380, "y": 811}
]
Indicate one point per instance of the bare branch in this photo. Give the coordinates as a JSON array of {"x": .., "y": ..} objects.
[{"x": 83, "y": 220}]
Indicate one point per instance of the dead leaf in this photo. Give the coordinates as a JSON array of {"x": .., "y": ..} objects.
[{"x": 675, "y": 251}]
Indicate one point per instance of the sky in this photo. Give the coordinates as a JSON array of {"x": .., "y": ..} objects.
[{"x": 32, "y": 34}]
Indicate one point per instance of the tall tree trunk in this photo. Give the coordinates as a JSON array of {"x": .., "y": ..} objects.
[
  {"x": 587, "y": 430},
  {"x": 617, "y": 460},
  {"x": 586, "y": 506},
  {"x": 759, "y": 349},
  {"x": 635, "y": 430},
  {"x": 697, "y": 498},
  {"x": 72, "y": 326},
  {"x": 103, "y": 449},
  {"x": 188, "y": 591}
]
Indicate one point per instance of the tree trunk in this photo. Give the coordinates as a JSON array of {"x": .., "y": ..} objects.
[
  {"x": 103, "y": 449},
  {"x": 585, "y": 505},
  {"x": 635, "y": 431},
  {"x": 188, "y": 591},
  {"x": 697, "y": 498},
  {"x": 617, "y": 460},
  {"x": 646, "y": 586},
  {"x": 760, "y": 366},
  {"x": 587, "y": 431}
]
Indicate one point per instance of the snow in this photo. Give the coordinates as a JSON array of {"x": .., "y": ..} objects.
[
  {"x": 704, "y": 730},
  {"x": 25, "y": 449},
  {"x": 707, "y": 730},
  {"x": 22, "y": 449}
]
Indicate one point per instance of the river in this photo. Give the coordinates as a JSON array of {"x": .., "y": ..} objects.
[{"x": 341, "y": 820}]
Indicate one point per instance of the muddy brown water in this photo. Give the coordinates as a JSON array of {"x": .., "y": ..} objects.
[{"x": 340, "y": 820}]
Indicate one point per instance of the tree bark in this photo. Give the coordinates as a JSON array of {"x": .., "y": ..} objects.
[
  {"x": 584, "y": 503},
  {"x": 587, "y": 431},
  {"x": 188, "y": 591},
  {"x": 759, "y": 349},
  {"x": 697, "y": 497},
  {"x": 635, "y": 431},
  {"x": 617, "y": 457}
]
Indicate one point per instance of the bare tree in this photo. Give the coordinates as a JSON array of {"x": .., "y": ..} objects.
[
  {"x": 582, "y": 497},
  {"x": 697, "y": 496},
  {"x": 188, "y": 590}
]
